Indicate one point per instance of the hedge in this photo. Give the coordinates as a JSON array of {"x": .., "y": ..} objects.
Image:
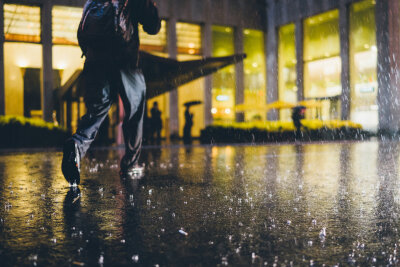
[
  {"x": 265, "y": 132},
  {"x": 21, "y": 132}
]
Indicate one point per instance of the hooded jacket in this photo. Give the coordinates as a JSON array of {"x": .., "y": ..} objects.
[{"x": 142, "y": 12}]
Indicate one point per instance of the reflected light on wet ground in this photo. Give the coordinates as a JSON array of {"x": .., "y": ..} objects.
[{"x": 335, "y": 203}]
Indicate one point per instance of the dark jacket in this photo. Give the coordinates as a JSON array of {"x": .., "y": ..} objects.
[{"x": 142, "y": 12}]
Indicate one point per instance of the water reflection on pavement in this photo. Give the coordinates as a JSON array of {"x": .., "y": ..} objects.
[{"x": 335, "y": 203}]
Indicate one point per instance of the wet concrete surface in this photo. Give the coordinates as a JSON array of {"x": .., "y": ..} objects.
[{"x": 333, "y": 204}]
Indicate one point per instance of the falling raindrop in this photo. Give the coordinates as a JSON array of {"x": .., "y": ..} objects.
[{"x": 135, "y": 258}]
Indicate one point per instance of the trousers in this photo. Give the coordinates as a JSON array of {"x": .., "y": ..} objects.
[{"x": 103, "y": 83}]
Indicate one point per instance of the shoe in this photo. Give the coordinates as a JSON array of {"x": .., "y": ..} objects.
[
  {"x": 71, "y": 163},
  {"x": 134, "y": 172}
]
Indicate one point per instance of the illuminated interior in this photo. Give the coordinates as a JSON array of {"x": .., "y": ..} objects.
[
  {"x": 18, "y": 58},
  {"x": 67, "y": 58},
  {"x": 223, "y": 91},
  {"x": 189, "y": 48},
  {"x": 22, "y": 23},
  {"x": 65, "y": 24},
  {"x": 254, "y": 73},
  {"x": 322, "y": 63},
  {"x": 22, "y": 60},
  {"x": 157, "y": 44},
  {"x": 363, "y": 64},
  {"x": 287, "y": 68}
]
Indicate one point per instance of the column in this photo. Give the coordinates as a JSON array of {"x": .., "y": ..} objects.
[
  {"x": 387, "y": 35},
  {"x": 173, "y": 95},
  {"x": 207, "y": 52},
  {"x": 47, "y": 53},
  {"x": 239, "y": 72},
  {"x": 272, "y": 59},
  {"x": 299, "y": 59},
  {"x": 344, "y": 29},
  {"x": 2, "y": 82}
]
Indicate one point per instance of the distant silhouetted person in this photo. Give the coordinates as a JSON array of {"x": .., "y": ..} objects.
[
  {"x": 187, "y": 129},
  {"x": 297, "y": 116},
  {"x": 155, "y": 123}
]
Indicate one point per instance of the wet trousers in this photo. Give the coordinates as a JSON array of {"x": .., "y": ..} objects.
[{"x": 102, "y": 84}]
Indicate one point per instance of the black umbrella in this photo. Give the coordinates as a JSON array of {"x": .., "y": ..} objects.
[
  {"x": 192, "y": 103},
  {"x": 298, "y": 108},
  {"x": 162, "y": 74}
]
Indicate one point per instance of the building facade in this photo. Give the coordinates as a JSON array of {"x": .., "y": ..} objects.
[{"x": 342, "y": 54}]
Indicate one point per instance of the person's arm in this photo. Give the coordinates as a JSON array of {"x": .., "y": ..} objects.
[{"x": 147, "y": 13}]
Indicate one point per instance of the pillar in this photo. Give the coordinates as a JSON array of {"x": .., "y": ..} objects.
[
  {"x": 47, "y": 54},
  {"x": 173, "y": 95},
  {"x": 207, "y": 52},
  {"x": 387, "y": 35},
  {"x": 239, "y": 72},
  {"x": 2, "y": 83},
  {"x": 272, "y": 59},
  {"x": 299, "y": 36},
  {"x": 344, "y": 28}
]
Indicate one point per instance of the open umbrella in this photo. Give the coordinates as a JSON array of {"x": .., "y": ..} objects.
[
  {"x": 280, "y": 105},
  {"x": 300, "y": 107},
  {"x": 192, "y": 103},
  {"x": 161, "y": 74},
  {"x": 164, "y": 74}
]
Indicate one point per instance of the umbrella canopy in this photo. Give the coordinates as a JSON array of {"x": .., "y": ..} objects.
[
  {"x": 192, "y": 103},
  {"x": 280, "y": 105},
  {"x": 161, "y": 74},
  {"x": 164, "y": 74}
]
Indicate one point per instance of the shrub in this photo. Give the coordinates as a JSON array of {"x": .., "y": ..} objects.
[
  {"x": 18, "y": 132},
  {"x": 278, "y": 131}
]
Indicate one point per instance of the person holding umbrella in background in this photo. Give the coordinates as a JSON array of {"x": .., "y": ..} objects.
[{"x": 297, "y": 115}]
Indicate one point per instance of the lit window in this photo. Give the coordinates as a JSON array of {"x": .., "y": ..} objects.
[
  {"x": 65, "y": 24},
  {"x": 22, "y": 23},
  {"x": 154, "y": 43},
  {"x": 189, "y": 38}
]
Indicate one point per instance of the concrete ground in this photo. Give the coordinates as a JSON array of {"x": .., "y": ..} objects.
[{"x": 304, "y": 204}]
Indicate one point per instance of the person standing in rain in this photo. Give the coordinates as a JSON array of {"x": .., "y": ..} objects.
[
  {"x": 297, "y": 116},
  {"x": 109, "y": 39},
  {"x": 187, "y": 129},
  {"x": 155, "y": 123}
]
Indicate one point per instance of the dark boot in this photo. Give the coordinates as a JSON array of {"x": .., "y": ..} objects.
[{"x": 71, "y": 162}]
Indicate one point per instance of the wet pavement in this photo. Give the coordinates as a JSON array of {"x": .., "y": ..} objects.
[{"x": 333, "y": 204}]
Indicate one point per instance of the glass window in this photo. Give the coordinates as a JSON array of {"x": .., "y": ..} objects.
[
  {"x": 22, "y": 23},
  {"x": 22, "y": 60},
  {"x": 287, "y": 68},
  {"x": 223, "y": 91},
  {"x": 155, "y": 44},
  {"x": 322, "y": 63},
  {"x": 65, "y": 24},
  {"x": 254, "y": 73},
  {"x": 363, "y": 63},
  {"x": 23, "y": 64},
  {"x": 188, "y": 38},
  {"x": 189, "y": 48},
  {"x": 66, "y": 57}
]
